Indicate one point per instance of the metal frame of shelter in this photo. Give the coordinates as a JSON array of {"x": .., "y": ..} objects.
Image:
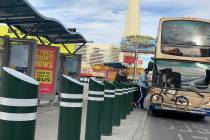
[{"x": 21, "y": 15}]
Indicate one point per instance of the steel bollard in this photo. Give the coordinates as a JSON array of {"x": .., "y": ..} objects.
[
  {"x": 94, "y": 110},
  {"x": 18, "y": 106},
  {"x": 70, "y": 109},
  {"x": 108, "y": 108},
  {"x": 132, "y": 97},
  {"x": 129, "y": 98},
  {"x": 117, "y": 104},
  {"x": 126, "y": 100}
]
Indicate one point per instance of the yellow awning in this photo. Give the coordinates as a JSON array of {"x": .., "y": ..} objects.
[{"x": 5, "y": 32}]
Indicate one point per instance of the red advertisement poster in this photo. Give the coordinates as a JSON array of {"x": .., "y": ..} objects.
[
  {"x": 45, "y": 68},
  {"x": 129, "y": 59}
]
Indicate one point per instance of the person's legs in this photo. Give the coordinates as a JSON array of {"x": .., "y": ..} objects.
[
  {"x": 143, "y": 95},
  {"x": 137, "y": 97}
]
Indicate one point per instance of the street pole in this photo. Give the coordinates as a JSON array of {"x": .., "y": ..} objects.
[{"x": 135, "y": 64}]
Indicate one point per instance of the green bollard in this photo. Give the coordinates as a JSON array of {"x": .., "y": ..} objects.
[
  {"x": 70, "y": 109},
  {"x": 94, "y": 110},
  {"x": 123, "y": 104},
  {"x": 18, "y": 106},
  {"x": 117, "y": 104},
  {"x": 129, "y": 90},
  {"x": 132, "y": 97},
  {"x": 126, "y": 100},
  {"x": 108, "y": 108}
]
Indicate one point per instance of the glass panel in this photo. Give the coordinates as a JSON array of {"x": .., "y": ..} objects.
[
  {"x": 186, "y": 38},
  {"x": 19, "y": 57},
  {"x": 186, "y": 75},
  {"x": 70, "y": 67}
]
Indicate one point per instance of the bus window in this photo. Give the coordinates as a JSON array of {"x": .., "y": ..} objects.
[
  {"x": 175, "y": 74},
  {"x": 186, "y": 38}
]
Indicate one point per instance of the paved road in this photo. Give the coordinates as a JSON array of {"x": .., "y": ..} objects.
[{"x": 168, "y": 128}]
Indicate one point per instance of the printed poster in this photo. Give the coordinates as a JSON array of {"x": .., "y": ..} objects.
[{"x": 45, "y": 68}]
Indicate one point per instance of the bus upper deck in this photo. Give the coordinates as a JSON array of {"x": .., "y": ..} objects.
[
  {"x": 184, "y": 39},
  {"x": 181, "y": 66}
]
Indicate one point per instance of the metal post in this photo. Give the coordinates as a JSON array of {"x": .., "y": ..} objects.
[
  {"x": 129, "y": 90},
  {"x": 117, "y": 105},
  {"x": 70, "y": 109},
  {"x": 132, "y": 96},
  {"x": 67, "y": 49},
  {"x": 108, "y": 108},
  {"x": 94, "y": 110},
  {"x": 126, "y": 100},
  {"x": 18, "y": 106}
]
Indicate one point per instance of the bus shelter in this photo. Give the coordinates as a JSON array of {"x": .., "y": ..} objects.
[
  {"x": 117, "y": 66},
  {"x": 32, "y": 51}
]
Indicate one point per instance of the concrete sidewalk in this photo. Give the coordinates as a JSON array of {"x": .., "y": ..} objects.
[{"x": 47, "y": 124}]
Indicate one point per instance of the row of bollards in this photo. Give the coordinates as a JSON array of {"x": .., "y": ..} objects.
[{"x": 108, "y": 104}]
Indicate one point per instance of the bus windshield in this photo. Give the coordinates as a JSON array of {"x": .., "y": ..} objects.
[
  {"x": 186, "y": 38},
  {"x": 184, "y": 75}
]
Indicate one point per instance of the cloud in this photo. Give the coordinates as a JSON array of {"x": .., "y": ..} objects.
[
  {"x": 153, "y": 10},
  {"x": 103, "y": 21}
]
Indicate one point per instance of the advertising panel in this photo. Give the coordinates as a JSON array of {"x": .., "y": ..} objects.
[
  {"x": 129, "y": 59},
  {"x": 45, "y": 68}
]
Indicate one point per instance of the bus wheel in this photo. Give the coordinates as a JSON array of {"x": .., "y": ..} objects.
[
  {"x": 182, "y": 101},
  {"x": 156, "y": 98}
]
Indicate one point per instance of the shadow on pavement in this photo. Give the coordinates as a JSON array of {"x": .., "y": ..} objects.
[{"x": 179, "y": 115}]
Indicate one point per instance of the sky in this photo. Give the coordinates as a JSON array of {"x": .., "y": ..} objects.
[{"x": 102, "y": 21}]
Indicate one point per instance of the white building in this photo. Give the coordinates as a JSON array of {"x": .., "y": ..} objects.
[{"x": 98, "y": 54}]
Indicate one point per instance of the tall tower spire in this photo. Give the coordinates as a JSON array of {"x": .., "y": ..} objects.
[{"x": 132, "y": 23}]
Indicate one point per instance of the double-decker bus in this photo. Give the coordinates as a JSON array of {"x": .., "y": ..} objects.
[{"x": 181, "y": 67}]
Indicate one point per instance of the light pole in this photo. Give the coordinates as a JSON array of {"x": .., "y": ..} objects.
[{"x": 136, "y": 63}]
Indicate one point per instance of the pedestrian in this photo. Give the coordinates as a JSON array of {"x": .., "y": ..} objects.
[
  {"x": 122, "y": 76},
  {"x": 143, "y": 83},
  {"x": 118, "y": 76}
]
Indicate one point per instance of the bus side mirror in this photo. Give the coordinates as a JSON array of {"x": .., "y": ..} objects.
[{"x": 150, "y": 66}]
